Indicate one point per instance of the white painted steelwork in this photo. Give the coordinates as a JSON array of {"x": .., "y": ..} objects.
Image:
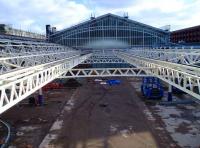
[
  {"x": 16, "y": 55},
  {"x": 108, "y": 60},
  {"x": 182, "y": 56},
  {"x": 28, "y": 66},
  {"x": 20, "y": 84},
  {"x": 106, "y": 72},
  {"x": 186, "y": 78}
]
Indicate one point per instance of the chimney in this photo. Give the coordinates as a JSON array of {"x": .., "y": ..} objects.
[
  {"x": 48, "y": 30},
  {"x": 126, "y": 15},
  {"x": 92, "y": 17},
  {"x": 53, "y": 30}
]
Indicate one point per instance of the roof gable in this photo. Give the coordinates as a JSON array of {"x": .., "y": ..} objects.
[{"x": 105, "y": 16}]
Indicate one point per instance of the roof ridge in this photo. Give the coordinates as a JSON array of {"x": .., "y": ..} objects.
[{"x": 105, "y": 15}]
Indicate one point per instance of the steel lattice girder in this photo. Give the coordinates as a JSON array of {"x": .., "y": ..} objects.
[
  {"x": 106, "y": 72},
  {"x": 185, "y": 68},
  {"x": 103, "y": 60},
  {"x": 176, "y": 76},
  {"x": 21, "y": 42},
  {"x": 103, "y": 56},
  {"x": 19, "y": 73},
  {"x": 188, "y": 57},
  {"x": 17, "y": 56},
  {"x": 14, "y": 63},
  {"x": 16, "y": 90}
]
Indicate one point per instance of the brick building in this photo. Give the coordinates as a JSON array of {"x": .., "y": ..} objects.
[{"x": 187, "y": 35}]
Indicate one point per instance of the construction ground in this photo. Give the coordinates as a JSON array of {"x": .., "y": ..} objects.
[{"x": 96, "y": 115}]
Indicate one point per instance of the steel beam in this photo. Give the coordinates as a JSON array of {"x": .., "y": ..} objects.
[
  {"x": 187, "y": 57},
  {"x": 106, "y": 72},
  {"x": 93, "y": 60},
  {"x": 185, "y": 80},
  {"x": 17, "y": 89},
  {"x": 27, "y": 54}
]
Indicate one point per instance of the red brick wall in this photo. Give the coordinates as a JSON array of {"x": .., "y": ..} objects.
[{"x": 188, "y": 35}]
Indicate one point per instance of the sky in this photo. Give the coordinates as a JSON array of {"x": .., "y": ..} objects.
[{"x": 33, "y": 15}]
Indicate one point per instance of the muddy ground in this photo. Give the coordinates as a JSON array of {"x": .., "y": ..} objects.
[
  {"x": 96, "y": 116},
  {"x": 108, "y": 117},
  {"x": 30, "y": 124}
]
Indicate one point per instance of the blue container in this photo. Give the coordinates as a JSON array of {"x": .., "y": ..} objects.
[
  {"x": 40, "y": 100},
  {"x": 113, "y": 82},
  {"x": 151, "y": 88}
]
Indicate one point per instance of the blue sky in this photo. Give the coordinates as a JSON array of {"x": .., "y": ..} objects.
[{"x": 35, "y": 14}]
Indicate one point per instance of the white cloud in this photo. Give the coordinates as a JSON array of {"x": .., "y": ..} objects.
[
  {"x": 168, "y": 6},
  {"x": 30, "y": 14},
  {"x": 28, "y": 22},
  {"x": 177, "y": 13},
  {"x": 35, "y": 14}
]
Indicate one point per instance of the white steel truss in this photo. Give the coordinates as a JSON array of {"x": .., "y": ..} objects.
[
  {"x": 103, "y": 57},
  {"x": 27, "y": 66},
  {"x": 15, "y": 88},
  {"x": 106, "y": 72},
  {"x": 14, "y": 57},
  {"x": 94, "y": 60},
  {"x": 185, "y": 68},
  {"x": 187, "y": 81},
  {"x": 15, "y": 63},
  {"x": 182, "y": 56}
]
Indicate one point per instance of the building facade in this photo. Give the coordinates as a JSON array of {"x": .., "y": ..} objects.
[
  {"x": 8, "y": 30},
  {"x": 110, "y": 31},
  {"x": 187, "y": 35}
]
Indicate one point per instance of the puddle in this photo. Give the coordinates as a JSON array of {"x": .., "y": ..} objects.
[
  {"x": 98, "y": 80},
  {"x": 113, "y": 128},
  {"x": 184, "y": 131},
  {"x": 51, "y": 136},
  {"x": 103, "y": 83},
  {"x": 46, "y": 142},
  {"x": 57, "y": 125},
  {"x": 124, "y": 133},
  {"x": 70, "y": 104},
  {"x": 28, "y": 128},
  {"x": 149, "y": 115},
  {"x": 19, "y": 133}
]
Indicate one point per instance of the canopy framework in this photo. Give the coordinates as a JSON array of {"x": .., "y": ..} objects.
[
  {"x": 110, "y": 31},
  {"x": 30, "y": 66}
]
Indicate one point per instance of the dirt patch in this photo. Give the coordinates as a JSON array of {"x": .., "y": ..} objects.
[
  {"x": 103, "y": 116},
  {"x": 32, "y": 123},
  {"x": 71, "y": 83},
  {"x": 183, "y": 128},
  {"x": 109, "y": 116}
]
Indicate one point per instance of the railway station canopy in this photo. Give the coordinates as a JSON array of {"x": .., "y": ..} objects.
[{"x": 110, "y": 31}]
